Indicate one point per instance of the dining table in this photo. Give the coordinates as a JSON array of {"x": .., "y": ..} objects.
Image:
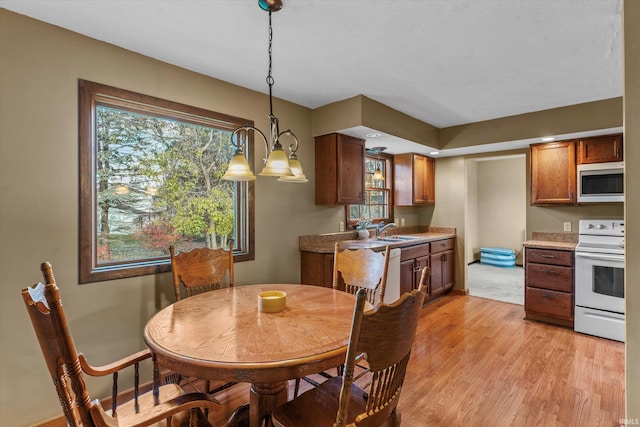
[{"x": 222, "y": 335}]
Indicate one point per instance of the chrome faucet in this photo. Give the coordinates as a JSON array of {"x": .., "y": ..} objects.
[{"x": 380, "y": 230}]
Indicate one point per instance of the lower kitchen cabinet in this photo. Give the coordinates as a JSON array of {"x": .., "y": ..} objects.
[
  {"x": 441, "y": 262},
  {"x": 549, "y": 286},
  {"x": 316, "y": 269},
  {"x": 439, "y": 255},
  {"x": 412, "y": 260}
]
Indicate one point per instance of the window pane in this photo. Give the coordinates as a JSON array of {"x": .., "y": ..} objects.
[
  {"x": 377, "y": 194},
  {"x": 150, "y": 178}
]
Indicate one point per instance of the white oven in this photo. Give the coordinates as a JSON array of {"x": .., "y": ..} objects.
[{"x": 599, "y": 279}]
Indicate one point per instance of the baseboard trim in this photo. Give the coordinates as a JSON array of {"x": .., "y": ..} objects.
[
  {"x": 58, "y": 421},
  {"x": 460, "y": 291}
]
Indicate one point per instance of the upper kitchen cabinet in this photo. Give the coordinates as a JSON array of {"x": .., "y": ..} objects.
[
  {"x": 600, "y": 149},
  {"x": 553, "y": 173},
  {"x": 414, "y": 180},
  {"x": 339, "y": 170}
]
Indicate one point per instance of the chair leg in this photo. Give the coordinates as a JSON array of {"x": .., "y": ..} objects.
[{"x": 296, "y": 388}]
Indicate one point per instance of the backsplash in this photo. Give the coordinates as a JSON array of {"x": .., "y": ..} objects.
[{"x": 555, "y": 237}]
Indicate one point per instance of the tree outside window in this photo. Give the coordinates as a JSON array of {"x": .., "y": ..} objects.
[{"x": 150, "y": 178}]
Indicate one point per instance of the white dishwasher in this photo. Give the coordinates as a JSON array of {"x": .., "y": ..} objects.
[{"x": 392, "y": 291}]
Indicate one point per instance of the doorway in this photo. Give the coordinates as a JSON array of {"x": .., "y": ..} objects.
[{"x": 495, "y": 216}]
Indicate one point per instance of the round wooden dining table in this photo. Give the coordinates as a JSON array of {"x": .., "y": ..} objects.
[{"x": 221, "y": 335}]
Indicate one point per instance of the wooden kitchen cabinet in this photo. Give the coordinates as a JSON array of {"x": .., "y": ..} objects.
[
  {"x": 549, "y": 286},
  {"x": 553, "y": 173},
  {"x": 441, "y": 262},
  {"x": 600, "y": 149},
  {"x": 439, "y": 256},
  {"x": 340, "y": 177},
  {"x": 412, "y": 260},
  {"x": 414, "y": 179},
  {"x": 316, "y": 269}
]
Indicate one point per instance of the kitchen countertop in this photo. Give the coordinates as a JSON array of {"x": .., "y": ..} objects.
[
  {"x": 325, "y": 243},
  {"x": 557, "y": 241}
]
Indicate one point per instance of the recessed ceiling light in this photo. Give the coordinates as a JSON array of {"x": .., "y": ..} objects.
[
  {"x": 434, "y": 153},
  {"x": 373, "y": 135},
  {"x": 547, "y": 139}
]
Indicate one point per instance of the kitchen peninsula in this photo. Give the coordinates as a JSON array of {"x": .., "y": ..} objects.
[{"x": 419, "y": 247}]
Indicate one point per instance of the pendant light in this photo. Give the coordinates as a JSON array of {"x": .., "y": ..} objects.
[
  {"x": 277, "y": 162},
  {"x": 377, "y": 175}
]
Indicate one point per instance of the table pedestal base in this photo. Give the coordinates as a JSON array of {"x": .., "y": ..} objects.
[{"x": 264, "y": 397}]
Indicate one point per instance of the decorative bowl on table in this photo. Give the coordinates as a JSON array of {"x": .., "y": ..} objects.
[{"x": 272, "y": 301}]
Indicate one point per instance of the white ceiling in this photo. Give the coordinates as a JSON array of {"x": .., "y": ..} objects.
[{"x": 445, "y": 62}]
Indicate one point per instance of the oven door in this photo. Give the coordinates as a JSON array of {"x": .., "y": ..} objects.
[{"x": 600, "y": 281}]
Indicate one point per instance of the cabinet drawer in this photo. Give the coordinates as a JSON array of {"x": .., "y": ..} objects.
[
  {"x": 553, "y": 277},
  {"x": 414, "y": 252},
  {"x": 549, "y": 256},
  {"x": 442, "y": 245},
  {"x": 550, "y": 303}
]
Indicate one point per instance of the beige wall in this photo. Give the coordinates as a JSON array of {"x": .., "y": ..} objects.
[
  {"x": 448, "y": 211},
  {"x": 362, "y": 111},
  {"x": 604, "y": 114},
  {"x": 502, "y": 204},
  {"x": 471, "y": 211},
  {"x": 631, "y": 31}
]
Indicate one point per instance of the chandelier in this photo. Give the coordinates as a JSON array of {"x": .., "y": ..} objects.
[{"x": 277, "y": 162}]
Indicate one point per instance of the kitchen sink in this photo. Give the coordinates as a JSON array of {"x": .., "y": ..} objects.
[{"x": 396, "y": 238}]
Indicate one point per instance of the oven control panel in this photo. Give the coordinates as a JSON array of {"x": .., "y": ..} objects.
[{"x": 602, "y": 227}]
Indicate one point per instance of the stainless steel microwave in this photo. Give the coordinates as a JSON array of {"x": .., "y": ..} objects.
[{"x": 601, "y": 182}]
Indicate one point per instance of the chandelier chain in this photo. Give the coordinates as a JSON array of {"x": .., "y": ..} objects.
[{"x": 270, "y": 80}]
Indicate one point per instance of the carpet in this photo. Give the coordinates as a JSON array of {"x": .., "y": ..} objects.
[{"x": 496, "y": 283}]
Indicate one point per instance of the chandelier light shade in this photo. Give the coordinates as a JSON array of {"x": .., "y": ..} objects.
[
  {"x": 296, "y": 168},
  {"x": 277, "y": 162},
  {"x": 239, "y": 169}
]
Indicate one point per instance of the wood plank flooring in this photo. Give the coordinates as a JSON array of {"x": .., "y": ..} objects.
[{"x": 477, "y": 362}]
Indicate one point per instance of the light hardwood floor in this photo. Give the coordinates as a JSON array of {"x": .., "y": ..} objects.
[{"x": 476, "y": 362}]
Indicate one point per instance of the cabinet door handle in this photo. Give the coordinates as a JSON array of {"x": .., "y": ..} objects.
[
  {"x": 547, "y": 256},
  {"x": 417, "y": 269},
  {"x": 549, "y": 271}
]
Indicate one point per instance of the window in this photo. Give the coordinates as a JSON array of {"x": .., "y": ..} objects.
[
  {"x": 150, "y": 174},
  {"x": 377, "y": 205}
]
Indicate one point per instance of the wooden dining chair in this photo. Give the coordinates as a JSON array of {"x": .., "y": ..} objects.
[
  {"x": 67, "y": 368},
  {"x": 355, "y": 269},
  {"x": 201, "y": 270},
  {"x": 384, "y": 335}
]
